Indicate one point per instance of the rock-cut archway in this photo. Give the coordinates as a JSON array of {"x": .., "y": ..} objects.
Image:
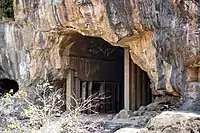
[{"x": 95, "y": 66}]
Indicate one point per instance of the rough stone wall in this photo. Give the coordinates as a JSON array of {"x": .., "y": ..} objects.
[
  {"x": 14, "y": 59},
  {"x": 163, "y": 36},
  {"x": 125, "y": 23}
]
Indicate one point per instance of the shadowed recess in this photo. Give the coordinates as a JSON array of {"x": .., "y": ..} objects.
[{"x": 8, "y": 85}]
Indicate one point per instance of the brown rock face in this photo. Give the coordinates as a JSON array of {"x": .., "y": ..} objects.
[{"x": 163, "y": 37}]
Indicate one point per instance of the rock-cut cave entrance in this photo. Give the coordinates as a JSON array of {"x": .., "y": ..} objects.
[{"x": 96, "y": 66}]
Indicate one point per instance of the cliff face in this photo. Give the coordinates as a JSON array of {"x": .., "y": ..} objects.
[
  {"x": 14, "y": 60},
  {"x": 163, "y": 37}
]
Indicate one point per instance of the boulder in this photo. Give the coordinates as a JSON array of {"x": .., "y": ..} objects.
[
  {"x": 169, "y": 122},
  {"x": 124, "y": 114},
  {"x": 174, "y": 122}
]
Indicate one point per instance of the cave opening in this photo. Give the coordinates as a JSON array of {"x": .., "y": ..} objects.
[
  {"x": 98, "y": 69},
  {"x": 8, "y": 86},
  {"x": 96, "y": 66}
]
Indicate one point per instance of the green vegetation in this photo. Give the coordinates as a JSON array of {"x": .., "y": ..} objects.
[{"x": 6, "y": 9}]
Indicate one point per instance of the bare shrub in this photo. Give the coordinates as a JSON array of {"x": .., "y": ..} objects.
[{"x": 43, "y": 112}]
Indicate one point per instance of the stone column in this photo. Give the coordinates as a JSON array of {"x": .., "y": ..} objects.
[
  {"x": 77, "y": 86},
  {"x": 103, "y": 101},
  {"x": 89, "y": 95},
  {"x": 144, "y": 92},
  {"x": 69, "y": 87},
  {"x": 83, "y": 93},
  {"x": 138, "y": 84},
  {"x": 148, "y": 91},
  {"x": 126, "y": 78},
  {"x": 133, "y": 86}
]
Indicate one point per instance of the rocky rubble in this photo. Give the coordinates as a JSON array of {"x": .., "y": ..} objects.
[
  {"x": 162, "y": 116},
  {"x": 174, "y": 122},
  {"x": 138, "y": 119},
  {"x": 156, "y": 117},
  {"x": 150, "y": 110},
  {"x": 169, "y": 122},
  {"x": 11, "y": 110}
]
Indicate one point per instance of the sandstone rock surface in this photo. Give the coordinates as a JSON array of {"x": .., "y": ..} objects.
[{"x": 162, "y": 36}]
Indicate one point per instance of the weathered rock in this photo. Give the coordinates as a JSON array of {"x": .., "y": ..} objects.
[
  {"x": 141, "y": 120},
  {"x": 11, "y": 110},
  {"x": 155, "y": 108},
  {"x": 163, "y": 38},
  {"x": 152, "y": 106},
  {"x": 151, "y": 113},
  {"x": 142, "y": 108},
  {"x": 169, "y": 122},
  {"x": 174, "y": 122},
  {"x": 124, "y": 114}
]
